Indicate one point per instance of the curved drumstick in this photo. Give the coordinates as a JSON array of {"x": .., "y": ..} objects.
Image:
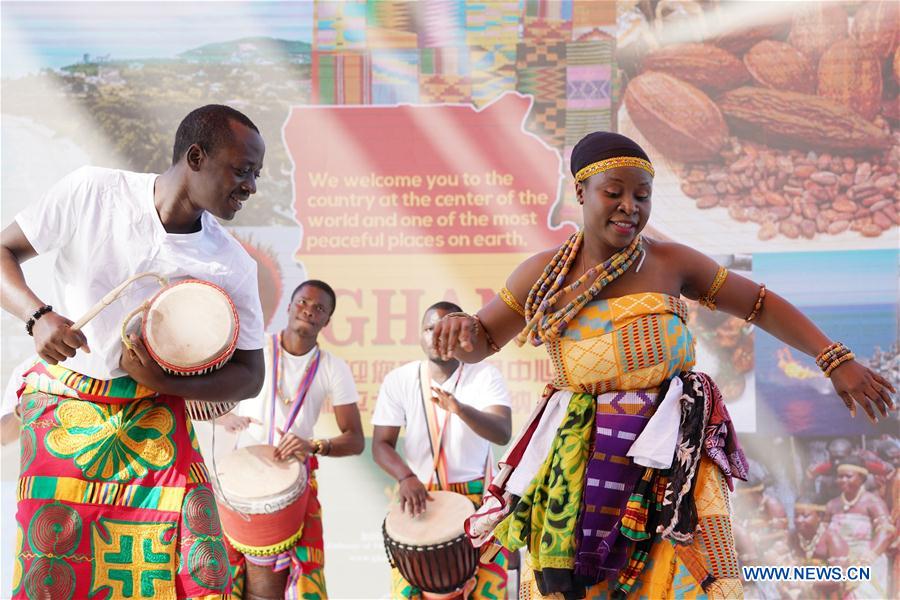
[{"x": 113, "y": 295}]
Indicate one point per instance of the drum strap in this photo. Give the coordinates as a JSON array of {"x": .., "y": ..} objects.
[
  {"x": 437, "y": 427},
  {"x": 302, "y": 389}
]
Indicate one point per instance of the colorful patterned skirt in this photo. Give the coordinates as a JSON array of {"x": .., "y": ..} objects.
[
  {"x": 597, "y": 525},
  {"x": 490, "y": 579},
  {"x": 306, "y": 560},
  {"x": 114, "y": 499}
]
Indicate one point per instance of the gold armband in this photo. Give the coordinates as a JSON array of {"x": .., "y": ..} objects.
[
  {"x": 709, "y": 300},
  {"x": 510, "y": 301}
]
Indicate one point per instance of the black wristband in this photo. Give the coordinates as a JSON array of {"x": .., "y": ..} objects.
[
  {"x": 404, "y": 478},
  {"x": 29, "y": 324}
]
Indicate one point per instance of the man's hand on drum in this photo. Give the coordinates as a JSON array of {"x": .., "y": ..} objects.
[
  {"x": 454, "y": 332},
  {"x": 140, "y": 366},
  {"x": 293, "y": 446},
  {"x": 413, "y": 496},
  {"x": 54, "y": 339}
]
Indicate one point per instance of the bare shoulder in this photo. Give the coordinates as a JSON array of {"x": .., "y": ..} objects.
[
  {"x": 693, "y": 269},
  {"x": 672, "y": 252},
  {"x": 528, "y": 271}
]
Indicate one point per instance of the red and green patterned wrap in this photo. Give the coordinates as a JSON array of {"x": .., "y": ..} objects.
[{"x": 113, "y": 498}]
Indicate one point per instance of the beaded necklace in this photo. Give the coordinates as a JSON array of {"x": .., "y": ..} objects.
[
  {"x": 809, "y": 547},
  {"x": 547, "y": 290},
  {"x": 848, "y": 504}
]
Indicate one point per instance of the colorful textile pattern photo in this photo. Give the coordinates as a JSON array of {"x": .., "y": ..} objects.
[
  {"x": 114, "y": 500},
  {"x": 559, "y": 52}
]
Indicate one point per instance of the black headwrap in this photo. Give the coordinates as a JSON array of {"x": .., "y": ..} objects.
[{"x": 600, "y": 146}]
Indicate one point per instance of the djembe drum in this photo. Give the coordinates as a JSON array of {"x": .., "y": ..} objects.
[
  {"x": 262, "y": 501},
  {"x": 432, "y": 551},
  {"x": 189, "y": 328}
]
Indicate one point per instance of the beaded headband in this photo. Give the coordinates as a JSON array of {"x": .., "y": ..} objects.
[
  {"x": 612, "y": 163},
  {"x": 815, "y": 507},
  {"x": 853, "y": 469}
]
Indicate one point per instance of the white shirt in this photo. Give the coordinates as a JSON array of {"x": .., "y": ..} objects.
[
  {"x": 333, "y": 382},
  {"x": 400, "y": 405},
  {"x": 10, "y": 393},
  {"x": 104, "y": 224}
]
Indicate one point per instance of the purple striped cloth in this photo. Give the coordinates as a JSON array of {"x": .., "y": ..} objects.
[{"x": 610, "y": 478}]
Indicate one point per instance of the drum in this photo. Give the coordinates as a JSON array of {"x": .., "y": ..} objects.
[
  {"x": 262, "y": 501},
  {"x": 432, "y": 551},
  {"x": 190, "y": 328}
]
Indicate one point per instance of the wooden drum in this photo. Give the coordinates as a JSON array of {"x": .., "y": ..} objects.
[
  {"x": 262, "y": 501},
  {"x": 432, "y": 551},
  {"x": 190, "y": 328}
]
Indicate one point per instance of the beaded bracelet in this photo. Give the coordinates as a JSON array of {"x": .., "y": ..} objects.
[
  {"x": 830, "y": 354},
  {"x": 29, "y": 325},
  {"x": 831, "y": 357},
  {"x": 487, "y": 336},
  {"x": 820, "y": 357},
  {"x": 842, "y": 359},
  {"x": 510, "y": 301},
  {"x": 757, "y": 308},
  {"x": 709, "y": 300}
]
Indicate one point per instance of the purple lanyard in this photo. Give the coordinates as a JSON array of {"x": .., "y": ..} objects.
[{"x": 302, "y": 390}]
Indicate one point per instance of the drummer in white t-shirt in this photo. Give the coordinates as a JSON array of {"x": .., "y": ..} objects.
[
  {"x": 312, "y": 304},
  {"x": 451, "y": 422}
]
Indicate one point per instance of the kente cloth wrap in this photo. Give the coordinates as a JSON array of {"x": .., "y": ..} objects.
[
  {"x": 490, "y": 578},
  {"x": 114, "y": 499},
  {"x": 306, "y": 560},
  {"x": 617, "y": 357}
]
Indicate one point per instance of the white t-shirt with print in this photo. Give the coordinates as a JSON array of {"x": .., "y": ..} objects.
[
  {"x": 400, "y": 405},
  {"x": 333, "y": 382},
  {"x": 105, "y": 227}
]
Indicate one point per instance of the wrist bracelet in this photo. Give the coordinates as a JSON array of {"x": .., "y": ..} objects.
[
  {"x": 402, "y": 479},
  {"x": 759, "y": 303},
  {"x": 29, "y": 324},
  {"x": 487, "y": 336}
]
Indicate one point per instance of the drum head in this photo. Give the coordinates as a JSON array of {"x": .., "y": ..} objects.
[
  {"x": 253, "y": 478},
  {"x": 442, "y": 520},
  {"x": 190, "y": 324}
]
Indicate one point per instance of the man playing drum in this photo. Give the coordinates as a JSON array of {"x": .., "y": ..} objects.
[
  {"x": 114, "y": 498},
  {"x": 300, "y": 377},
  {"x": 452, "y": 413}
]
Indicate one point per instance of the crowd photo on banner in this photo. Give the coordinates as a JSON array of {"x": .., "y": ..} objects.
[{"x": 450, "y": 299}]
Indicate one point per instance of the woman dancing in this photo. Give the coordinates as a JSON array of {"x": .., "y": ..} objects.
[{"x": 618, "y": 485}]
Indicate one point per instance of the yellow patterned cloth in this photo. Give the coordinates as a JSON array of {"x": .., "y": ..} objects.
[{"x": 632, "y": 342}]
